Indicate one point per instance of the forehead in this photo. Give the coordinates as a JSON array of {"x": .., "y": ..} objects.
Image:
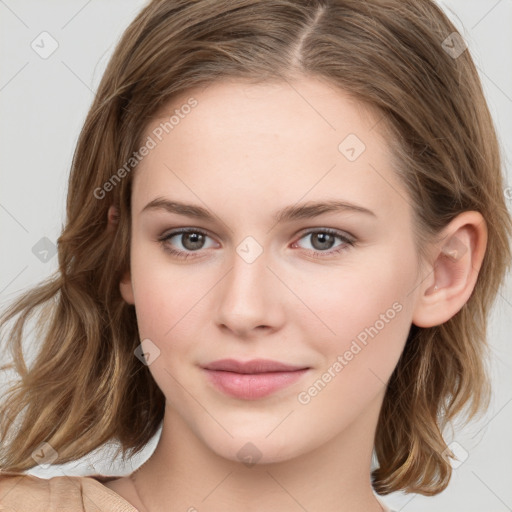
[
  {"x": 280, "y": 140},
  {"x": 306, "y": 108}
]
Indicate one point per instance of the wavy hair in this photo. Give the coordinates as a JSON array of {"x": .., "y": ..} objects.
[{"x": 85, "y": 387}]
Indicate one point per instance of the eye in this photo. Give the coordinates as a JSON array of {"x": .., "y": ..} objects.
[
  {"x": 323, "y": 239},
  {"x": 193, "y": 240}
]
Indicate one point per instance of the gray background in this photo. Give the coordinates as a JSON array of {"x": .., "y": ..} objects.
[{"x": 43, "y": 105}]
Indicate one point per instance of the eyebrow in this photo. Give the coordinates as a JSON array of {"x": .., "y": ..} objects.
[{"x": 289, "y": 213}]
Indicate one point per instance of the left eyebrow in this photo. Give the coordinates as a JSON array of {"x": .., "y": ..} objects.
[
  {"x": 316, "y": 208},
  {"x": 289, "y": 213}
]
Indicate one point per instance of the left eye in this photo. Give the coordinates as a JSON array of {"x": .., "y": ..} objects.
[
  {"x": 322, "y": 240},
  {"x": 192, "y": 240}
]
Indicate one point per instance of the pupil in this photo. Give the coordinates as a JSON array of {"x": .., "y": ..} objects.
[
  {"x": 324, "y": 244},
  {"x": 196, "y": 240}
]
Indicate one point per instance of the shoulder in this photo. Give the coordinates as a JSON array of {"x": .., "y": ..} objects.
[
  {"x": 27, "y": 493},
  {"x": 23, "y": 492}
]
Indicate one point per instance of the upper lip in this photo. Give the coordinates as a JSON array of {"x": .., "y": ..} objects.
[{"x": 253, "y": 366}]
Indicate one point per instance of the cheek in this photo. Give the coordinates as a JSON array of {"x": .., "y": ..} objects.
[
  {"x": 363, "y": 312},
  {"x": 370, "y": 323},
  {"x": 162, "y": 294}
]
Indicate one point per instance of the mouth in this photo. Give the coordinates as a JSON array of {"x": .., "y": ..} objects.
[{"x": 254, "y": 379}]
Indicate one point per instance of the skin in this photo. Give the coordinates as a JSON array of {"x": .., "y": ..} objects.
[{"x": 244, "y": 152}]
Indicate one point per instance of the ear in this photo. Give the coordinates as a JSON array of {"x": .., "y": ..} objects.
[
  {"x": 453, "y": 275},
  {"x": 126, "y": 288},
  {"x": 125, "y": 285},
  {"x": 112, "y": 218}
]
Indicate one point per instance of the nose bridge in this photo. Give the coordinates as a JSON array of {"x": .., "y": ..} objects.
[
  {"x": 248, "y": 298},
  {"x": 248, "y": 276}
]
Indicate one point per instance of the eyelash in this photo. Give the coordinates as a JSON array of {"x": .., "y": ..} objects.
[{"x": 347, "y": 242}]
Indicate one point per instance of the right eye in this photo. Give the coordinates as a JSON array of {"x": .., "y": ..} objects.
[{"x": 191, "y": 239}]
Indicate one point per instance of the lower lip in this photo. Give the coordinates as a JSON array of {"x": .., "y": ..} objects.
[{"x": 251, "y": 386}]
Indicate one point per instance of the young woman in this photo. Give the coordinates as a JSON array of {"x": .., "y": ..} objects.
[{"x": 285, "y": 231}]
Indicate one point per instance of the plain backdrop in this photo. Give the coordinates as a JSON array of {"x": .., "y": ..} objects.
[{"x": 43, "y": 103}]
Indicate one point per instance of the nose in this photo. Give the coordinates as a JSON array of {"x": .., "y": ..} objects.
[{"x": 250, "y": 298}]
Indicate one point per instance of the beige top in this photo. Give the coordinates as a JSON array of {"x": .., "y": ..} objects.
[{"x": 27, "y": 493}]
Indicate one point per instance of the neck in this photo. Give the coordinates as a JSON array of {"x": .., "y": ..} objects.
[{"x": 185, "y": 474}]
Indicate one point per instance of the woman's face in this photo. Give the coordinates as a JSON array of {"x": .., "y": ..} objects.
[{"x": 265, "y": 275}]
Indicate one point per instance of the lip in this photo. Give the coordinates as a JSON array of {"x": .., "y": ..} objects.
[
  {"x": 253, "y": 379},
  {"x": 252, "y": 366}
]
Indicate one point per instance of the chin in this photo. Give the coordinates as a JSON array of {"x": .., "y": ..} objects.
[{"x": 258, "y": 449}]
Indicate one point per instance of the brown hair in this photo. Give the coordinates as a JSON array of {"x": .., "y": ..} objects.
[{"x": 86, "y": 387}]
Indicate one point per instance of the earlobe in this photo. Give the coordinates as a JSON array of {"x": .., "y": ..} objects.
[
  {"x": 126, "y": 288},
  {"x": 454, "y": 272},
  {"x": 112, "y": 218}
]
